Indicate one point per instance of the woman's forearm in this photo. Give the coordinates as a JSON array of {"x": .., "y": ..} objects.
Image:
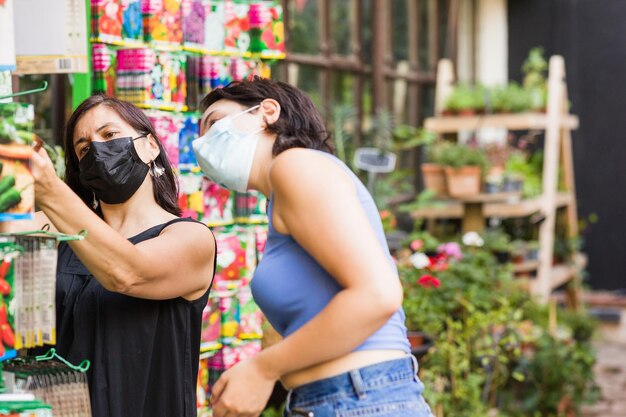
[{"x": 112, "y": 259}]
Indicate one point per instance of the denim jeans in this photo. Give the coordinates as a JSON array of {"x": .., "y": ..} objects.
[{"x": 386, "y": 389}]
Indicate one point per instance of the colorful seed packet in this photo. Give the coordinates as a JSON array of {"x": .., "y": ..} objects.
[
  {"x": 104, "y": 60},
  {"x": 218, "y": 204},
  {"x": 214, "y": 28},
  {"x": 190, "y": 197},
  {"x": 106, "y": 20},
  {"x": 188, "y": 133},
  {"x": 193, "y": 15},
  {"x": 167, "y": 126},
  {"x": 211, "y": 324},
  {"x": 132, "y": 20},
  {"x": 162, "y": 20},
  {"x": 237, "y": 26}
]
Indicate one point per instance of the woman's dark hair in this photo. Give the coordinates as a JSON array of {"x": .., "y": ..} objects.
[
  {"x": 299, "y": 125},
  {"x": 165, "y": 187}
]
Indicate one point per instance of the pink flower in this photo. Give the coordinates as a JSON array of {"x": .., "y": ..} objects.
[
  {"x": 428, "y": 281},
  {"x": 416, "y": 245},
  {"x": 452, "y": 249}
]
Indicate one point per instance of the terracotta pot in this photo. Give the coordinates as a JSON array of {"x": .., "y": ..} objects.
[
  {"x": 463, "y": 181},
  {"x": 434, "y": 178},
  {"x": 467, "y": 112},
  {"x": 416, "y": 339}
]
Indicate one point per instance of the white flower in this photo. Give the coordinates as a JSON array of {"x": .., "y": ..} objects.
[
  {"x": 473, "y": 239},
  {"x": 419, "y": 260}
]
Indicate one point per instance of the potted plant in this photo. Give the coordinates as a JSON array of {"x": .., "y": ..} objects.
[
  {"x": 494, "y": 184},
  {"x": 499, "y": 243},
  {"x": 464, "y": 166},
  {"x": 423, "y": 242},
  {"x": 532, "y": 250},
  {"x": 465, "y": 100},
  {"x": 433, "y": 172}
]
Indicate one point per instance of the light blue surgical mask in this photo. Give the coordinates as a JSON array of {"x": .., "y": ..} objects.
[{"x": 225, "y": 155}]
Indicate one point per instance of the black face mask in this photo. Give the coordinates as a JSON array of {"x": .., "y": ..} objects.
[{"x": 113, "y": 170}]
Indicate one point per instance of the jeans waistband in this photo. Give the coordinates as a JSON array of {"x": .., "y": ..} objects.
[{"x": 357, "y": 381}]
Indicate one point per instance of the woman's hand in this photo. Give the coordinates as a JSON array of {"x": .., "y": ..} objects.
[
  {"x": 43, "y": 171},
  {"x": 242, "y": 391}
]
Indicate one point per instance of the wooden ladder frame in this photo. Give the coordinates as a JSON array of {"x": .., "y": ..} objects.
[{"x": 557, "y": 123}]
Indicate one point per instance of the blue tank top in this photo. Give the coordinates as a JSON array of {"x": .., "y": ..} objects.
[{"x": 291, "y": 287}]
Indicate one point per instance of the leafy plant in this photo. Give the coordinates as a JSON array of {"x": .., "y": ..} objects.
[
  {"x": 459, "y": 155},
  {"x": 342, "y": 117},
  {"x": 407, "y": 137},
  {"x": 496, "y": 240},
  {"x": 465, "y": 97}
]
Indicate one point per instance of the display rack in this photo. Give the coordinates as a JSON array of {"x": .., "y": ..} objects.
[{"x": 473, "y": 211}]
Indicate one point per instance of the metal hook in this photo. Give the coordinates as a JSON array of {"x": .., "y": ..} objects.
[{"x": 44, "y": 87}]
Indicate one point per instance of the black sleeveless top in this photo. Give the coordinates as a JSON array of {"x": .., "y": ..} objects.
[{"x": 144, "y": 353}]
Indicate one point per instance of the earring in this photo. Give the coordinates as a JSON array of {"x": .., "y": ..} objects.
[
  {"x": 95, "y": 202},
  {"x": 156, "y": 170}
]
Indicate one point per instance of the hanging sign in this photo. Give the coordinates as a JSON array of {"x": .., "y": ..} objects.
[
  {"x": 7, "y": 36},
  {"x": 51, "y": 36}
]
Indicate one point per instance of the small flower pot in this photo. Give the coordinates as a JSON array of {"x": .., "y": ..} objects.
[
  {"x": 502, "y": 257},
  {"x": 416, "y": 339},
  {"x": 532, "y": 254},
  {"x": 434, "y": 178},
  {"x": 463, "y": 181},
  {"x": 467, "y": 112},
  {"x": 513, "y": 185},
  {"x": 493, "y": 188}
]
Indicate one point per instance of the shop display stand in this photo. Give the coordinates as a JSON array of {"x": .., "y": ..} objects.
[{"x": 473, "y": 211}]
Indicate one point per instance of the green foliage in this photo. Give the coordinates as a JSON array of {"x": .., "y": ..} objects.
[
  {"x": 407, "y": 137},
  {"x": 273, "y": 412},
  {"x": 465, "y": 97},
  {"x": 496, "y": 240},
  {"x": 510, "y": 99},
  {"x": 493, "y": 349},
  {"x": 343, "y": 118},
  {"x": 459, "y": 155},
  {"x": 529, "y": 169},
  {"x": 535, "y": 69}
]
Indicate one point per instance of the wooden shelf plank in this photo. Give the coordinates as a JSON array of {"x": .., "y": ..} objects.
[
  {"x": 521, "y": 121},
  {"x": 562, "y": 274},
  {"x": 453, "y": 209},
  {"x": 526, "y": 266}
]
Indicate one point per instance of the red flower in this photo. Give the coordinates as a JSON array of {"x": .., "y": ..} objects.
[
  {"x": 428, "y": 281},
  {"x": 439, "y": 262}
]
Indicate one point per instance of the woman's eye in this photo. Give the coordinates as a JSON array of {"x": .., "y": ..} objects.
[
  {"x": 109, "y": 135},
  {"x": 84, "y": 150}
]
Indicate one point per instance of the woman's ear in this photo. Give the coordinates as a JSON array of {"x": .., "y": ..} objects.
[
  {"x": 270, "y": 110},
  {"x": 153, "y": 147}
]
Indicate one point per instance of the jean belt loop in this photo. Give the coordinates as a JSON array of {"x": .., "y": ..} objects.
[
  {"x": 357, "y": 383},
  {"x": 288, "y": 402},
  {"x": 416, "y": 368}
]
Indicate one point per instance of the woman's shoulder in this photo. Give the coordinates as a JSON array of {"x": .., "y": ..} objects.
[{"x": 301, "y": 165}]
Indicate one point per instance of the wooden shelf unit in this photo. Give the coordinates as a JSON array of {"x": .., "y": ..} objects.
[
  {"x": 519, "y": 121},
  {"x": 557, "y": 124}
]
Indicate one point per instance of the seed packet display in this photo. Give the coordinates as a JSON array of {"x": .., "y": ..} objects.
[
  {"x": 250, "y": 316},
  {"x": 162, "y": 20},
  {"x": 218, "y": 204},
  {"x": 190, "y": 198},
  {"x": 250, "y": 207},
  {"x": 261, "y": 240},
  {"x": 167, "y": 127},
  {"x": 8, "y": 253},
  {"x": 214, "y": 28},
  {"x": 47, "y": 269},
  {"x": 106, "y": 21},
  {"x": 104, "y": 59},
  {"x": 17, "y": 192},
  {"x": 229, "y": 314},
  {"x": 235, "y": 248},
  {"x": 237, "y": 25},
  {"x": 211, "y": 324},
  {"x": 132, "y": 20},
  {"x": 267, "y": 32},
  {"x": 188, "y": 133},
  {"x": 193, "y": 12},
  {"x": 193, "y": 73}
]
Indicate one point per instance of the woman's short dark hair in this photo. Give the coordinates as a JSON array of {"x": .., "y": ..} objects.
[
  {"x": 299, "y": 125},
  {"x": 165, "y": 187}
]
